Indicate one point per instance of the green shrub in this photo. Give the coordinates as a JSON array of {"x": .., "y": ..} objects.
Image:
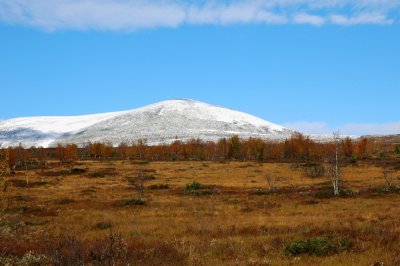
[
  {"x": 193, "y": 186},
  {"x": 353, "y": 159},
  {"x": 130, "y": 202},
  {"x": 317, "y": 246},
  {"x": 397, "y": 149},
  {"x": 197, "y": 189}
]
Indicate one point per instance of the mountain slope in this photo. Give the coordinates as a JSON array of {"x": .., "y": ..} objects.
[{"x": 157, "y": 123}]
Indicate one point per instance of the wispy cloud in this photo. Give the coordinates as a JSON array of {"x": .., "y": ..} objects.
[
  {"x": 131, "y": 15},
  {"x": 358, "y": 129}
]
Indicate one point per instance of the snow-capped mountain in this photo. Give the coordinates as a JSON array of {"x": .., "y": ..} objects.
[{"x": 161, "y": 122}]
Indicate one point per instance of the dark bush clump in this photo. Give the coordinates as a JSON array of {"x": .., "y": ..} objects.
[
  {"x": 130, "y": 202},
  {"x": 193, "y": 186},
  {"x": 313, "y": 170},
  {"x": 317, "y": 246},
  {"x": 159, "y": 187},
  {"x": 64, "y": 201},
  {"x": 397, "y": 149},
  {"x": 103, "y": 173},
  {"x": 77, "y": 171},
  {"x": 389, "y": 189},
  {"x": 259, "y": 192},
  {"x": 197, "y": 189},
  {"x": 353, "y": 159},
  {"x": 102, "y": 225}
]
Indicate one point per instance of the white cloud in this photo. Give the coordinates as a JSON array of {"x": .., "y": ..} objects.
[
  {"x": 366, "y": 18},
  {"x": 132, "y": 15},
  {"x": 303, "y": 18},
  {"x": 357, "y": 129}
]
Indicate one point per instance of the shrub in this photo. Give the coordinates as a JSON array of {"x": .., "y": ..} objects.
[
  {"x": 313, "y": 170},
  {"x": 64, "y": 201},
  {"x": 159, "y": 187},
  {"x": 397, "y": 149},
  {"x": 317, "y": 246},
  {"x": 130, "y": 202},
  {"x": 103, "y": 173},
  {"x": 22, "y": 183},
  {"x": 388, "y": 189},
  {"x": 197, "y": 189},
  {"x": 32, "y": 259},
  {"x": 329, "y": 193},
  {"x": 259, "y": 192},
  {"x": 77, "y": 171},
  {"x": 102, "y": 225},
  {"x": 193, "y": 186},
  {"x": 353, "y": 159}
]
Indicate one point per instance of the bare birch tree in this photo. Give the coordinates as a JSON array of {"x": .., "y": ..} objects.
[
  {"x": 333, "y": 170},
  {"x": 138, "y": 183}
]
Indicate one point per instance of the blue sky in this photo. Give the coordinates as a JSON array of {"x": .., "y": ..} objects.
[{"x": 312, "y": 65}]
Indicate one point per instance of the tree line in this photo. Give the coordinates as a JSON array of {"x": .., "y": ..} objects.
[{"x": 297, "y": 148}]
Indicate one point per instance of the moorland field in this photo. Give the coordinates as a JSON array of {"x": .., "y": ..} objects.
[{"x": 199, "y": 213}]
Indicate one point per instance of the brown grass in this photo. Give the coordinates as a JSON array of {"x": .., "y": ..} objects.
[{"x": 233, "y": 225}]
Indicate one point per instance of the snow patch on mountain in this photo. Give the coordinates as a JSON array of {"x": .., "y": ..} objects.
[{"x": 161, "y": 122}]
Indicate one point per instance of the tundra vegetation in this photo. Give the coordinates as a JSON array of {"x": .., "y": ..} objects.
[{"x": 232, "y": 202}]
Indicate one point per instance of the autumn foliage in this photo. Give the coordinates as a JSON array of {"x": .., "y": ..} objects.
[{"x": 298, "y": 148}]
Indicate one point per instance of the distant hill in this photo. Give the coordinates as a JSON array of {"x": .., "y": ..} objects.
[{"x": 161, "y": 122}]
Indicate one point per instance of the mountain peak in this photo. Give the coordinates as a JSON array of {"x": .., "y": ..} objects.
[{"x": 158, "y": 122}]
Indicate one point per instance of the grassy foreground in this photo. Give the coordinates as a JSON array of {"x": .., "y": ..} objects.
[{"x": 93, "y": 215}]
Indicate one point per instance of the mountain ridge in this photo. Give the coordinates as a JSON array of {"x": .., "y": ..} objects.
[{"x": 159, "y": 122}]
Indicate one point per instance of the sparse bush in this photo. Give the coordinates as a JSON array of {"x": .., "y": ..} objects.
[
  {"x": 313, "y": 170},
  {"x": 138, "y": 183},
  {"x": 28, "y": 259},
  {"x": 311, "y": 202},
  {"x": 193, "y": 186},
  {"x": 77, "y": 171},
  {"x": 159, "y": 187},
  {"x": 389, "y": 189},
  {"x": 317, "y": 246},
  {"x": 130, "y": 202},
  {"x": 139, "y": 162},
  {"x": 327, "y": 193},
  {"x": 397, "y": 149},
  {"x": 259, "y": 192},
  {"x": 22, "y": 183},
  {"x": 64, "y": 201},
  {"x": 32, "y": 259},
  {"x": 197, "y": 189},
  {"x": 353, "y": 159},
  {"x": 102, "y": 225},
  {"x": 103, "y": 173}
]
